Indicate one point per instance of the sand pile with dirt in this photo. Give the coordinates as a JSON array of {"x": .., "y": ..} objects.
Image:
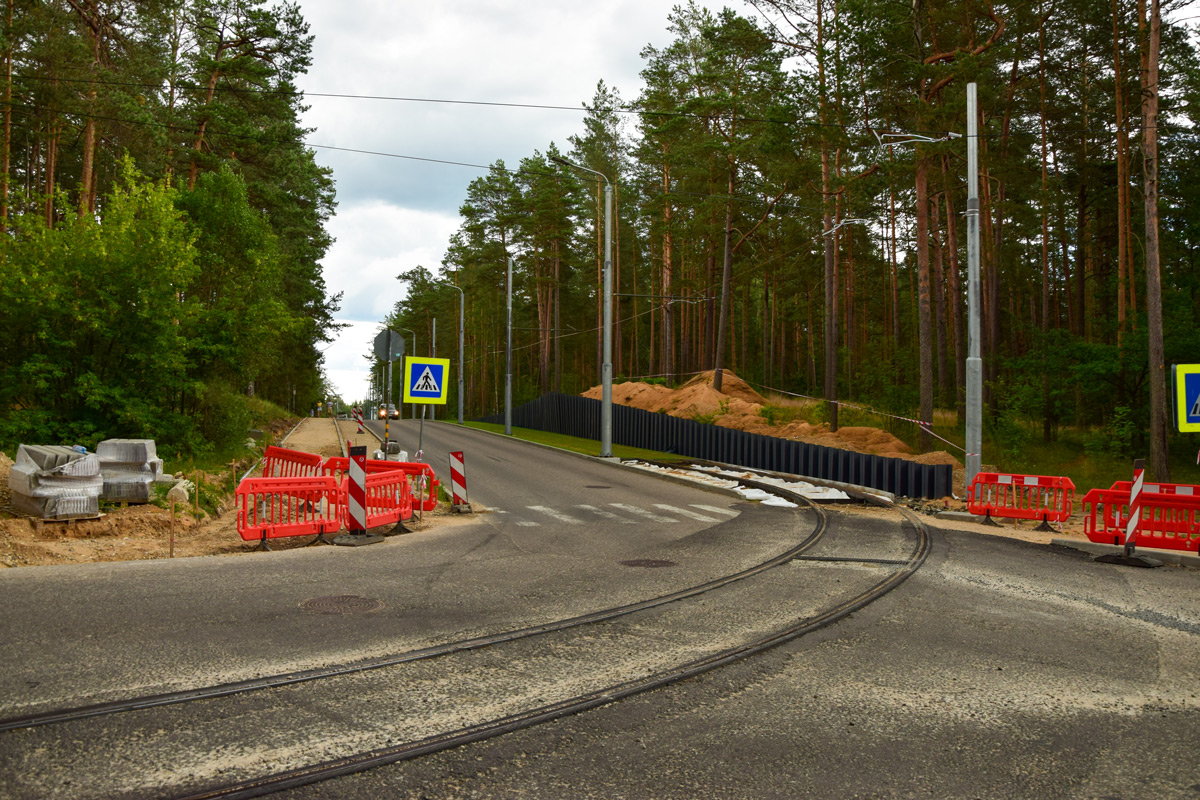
[{"x": 740, "y": 407}]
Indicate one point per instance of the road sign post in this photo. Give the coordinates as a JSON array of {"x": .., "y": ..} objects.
[
  {"x": 425, "y": 383},
  {"x": 389, "y": 346}
]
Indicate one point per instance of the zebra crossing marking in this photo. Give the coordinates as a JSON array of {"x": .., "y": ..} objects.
[
  {"x": 607, "y": 514},
  {"x": 641, "y": 512},
  {"x": 554, "y": 514},
  {"x": 683, "y": 512},
  {"x": 715, "y": 509}
]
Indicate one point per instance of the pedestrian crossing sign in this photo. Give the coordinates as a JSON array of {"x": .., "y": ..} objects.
[
  {"x": 425, "y": 380},
  {"x": 1185, "y": 397}
]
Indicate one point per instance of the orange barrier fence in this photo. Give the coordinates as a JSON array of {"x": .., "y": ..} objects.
[
  {"x": 997, "y": 494},
  {"x": 279, "y": 462},
  {"x": 425, "y": 497},
  {"x": 388, "y": 498},
  {"x": 271, "y": 508},
  {"x": 1168, "y": 516}
]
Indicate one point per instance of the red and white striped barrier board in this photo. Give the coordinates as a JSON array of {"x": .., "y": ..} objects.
[
  {"x": 1135, "y": 503},
  {"x": 458, "y": 482},
  {"x": 356, "y": 495}
]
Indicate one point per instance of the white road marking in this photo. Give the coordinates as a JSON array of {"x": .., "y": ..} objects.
[
  {"x": 715, "y": 509},
  {"x": 558, "y": 515},
  {"x": 683, "y": 512},
  {"x": 607, "y": 514},
  {"x": 528, "y": 523},
  {"x": 641, "y": 512}
]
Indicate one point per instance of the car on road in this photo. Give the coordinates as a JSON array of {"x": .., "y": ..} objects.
[{"x": 388, "y": 411}]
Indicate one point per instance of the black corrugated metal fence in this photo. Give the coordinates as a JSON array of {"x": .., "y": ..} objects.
[{"x": 572, "y": 415}]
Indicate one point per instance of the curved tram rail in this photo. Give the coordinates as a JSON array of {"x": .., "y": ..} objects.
[{"x": 325, "y": 770}]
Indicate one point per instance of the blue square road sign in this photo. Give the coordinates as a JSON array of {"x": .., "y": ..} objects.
[{"x": 425, "y": 380}]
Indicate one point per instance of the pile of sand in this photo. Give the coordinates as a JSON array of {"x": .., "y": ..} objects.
[{"x": 739, "y": 406}]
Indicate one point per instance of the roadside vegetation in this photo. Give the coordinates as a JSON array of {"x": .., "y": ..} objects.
[{"x": 163, "y": 225}]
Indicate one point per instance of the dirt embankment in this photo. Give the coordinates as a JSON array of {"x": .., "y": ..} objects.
[
  {"x": 144, "y": 532},
  {"x": 740, "y": 407}
]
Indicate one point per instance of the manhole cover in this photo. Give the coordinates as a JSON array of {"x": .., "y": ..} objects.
[
  {"x": 341, "y": 604},
  {"x": 597, "y": 487},
  {"x": 648, "y": 562}
]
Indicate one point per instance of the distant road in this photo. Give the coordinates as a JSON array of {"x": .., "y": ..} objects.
[{"x": 527, "y": 485}]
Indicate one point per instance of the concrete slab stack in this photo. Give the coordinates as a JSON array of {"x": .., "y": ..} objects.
[
  {"x": 52, "y": 482},
  {"x": 130, "y": 468}
]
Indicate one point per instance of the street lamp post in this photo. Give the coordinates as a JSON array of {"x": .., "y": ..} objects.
[
  {"x": 606, "y": 365},
  {"x": 462, "y": 306}
]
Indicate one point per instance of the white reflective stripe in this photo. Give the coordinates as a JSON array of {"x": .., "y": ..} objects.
[
  {"x": 683, "y": 512},
  {"x": 458, "y": 489},
  {"x": 607, "y": 514},
  {"x": 1004, "y": 479},
  {"x": 358, "y": 475},
  {"x": 1031, "y": 480},
  {"x": 558, "y": 515},
  {"x": 1183, "y": 490},
  {"x": 1151, "y": 487},
  {"x": 641, "y": 512},
  {"x": 716, "y": 509},
  {"x": 357, "y": 517}
]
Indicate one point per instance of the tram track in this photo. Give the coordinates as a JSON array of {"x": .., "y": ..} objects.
[
  {"x": 362, "y": 761},
  {"x": 576, "y": 703},
  {"x": 141, "y": 702}
]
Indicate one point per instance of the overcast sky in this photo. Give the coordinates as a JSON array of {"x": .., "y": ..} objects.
[{"x": 393, "y": 213}]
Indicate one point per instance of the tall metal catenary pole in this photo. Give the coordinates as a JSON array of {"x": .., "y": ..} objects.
[
  {"x": 462, "y": 315},
  {"x": 974, "y": 438},
  {"x": 433, "y": 354},
  {"x": 508, "y": 352},
  {"x": 606, "y": 363}
]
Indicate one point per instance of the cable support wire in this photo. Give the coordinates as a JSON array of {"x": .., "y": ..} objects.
[{"x": 924, "y": 136}]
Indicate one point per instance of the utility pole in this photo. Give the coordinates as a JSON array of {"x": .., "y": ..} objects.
[
  {"x": 508, "y": 352},
  {"x": 974, "y": 437}
]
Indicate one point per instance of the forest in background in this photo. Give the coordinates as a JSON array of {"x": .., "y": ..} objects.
[
  {"x": 163, "y": 222},
  {"x": 790, "y": 195}
]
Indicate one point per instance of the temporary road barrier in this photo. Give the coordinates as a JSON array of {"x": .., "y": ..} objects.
[
  {"x": 354, "y": 500},
  {"x": 424, "y": 483},
  {"x": 279, "y": 462},
  {"x": 458, "y": 483},
  {"x": 386, "y": 499},
  {"x": 1168, "y": 518},
  {"x": 271, "y": 508},
  {"x": 998, "y": 494}
]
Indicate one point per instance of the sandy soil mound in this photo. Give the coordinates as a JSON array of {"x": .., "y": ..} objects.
[{"x": 739, "y": 406}]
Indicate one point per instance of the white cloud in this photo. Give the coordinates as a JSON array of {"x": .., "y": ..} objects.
[
  {"x": 377, "y": 241},
  {"x": 394, "y": 214}
]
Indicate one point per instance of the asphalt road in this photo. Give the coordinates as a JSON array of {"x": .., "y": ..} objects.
[{"x": 1000, "y": 669}]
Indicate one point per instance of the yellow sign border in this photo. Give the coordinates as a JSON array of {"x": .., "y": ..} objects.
[
  {"x": 413, "y": 361},
  {"x": 1179, "y": 371}
]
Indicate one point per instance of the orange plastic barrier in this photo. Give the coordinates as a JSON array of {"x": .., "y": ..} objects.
[
  {"x": 271, "y": 508},
  {"x": 279, "y": 462},
  {"x": 426, "y": 500},
  {"x": 997, "y": 494},
  {"x": 1168, "y": 516},
  {"x": 388, "y": 497}
]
